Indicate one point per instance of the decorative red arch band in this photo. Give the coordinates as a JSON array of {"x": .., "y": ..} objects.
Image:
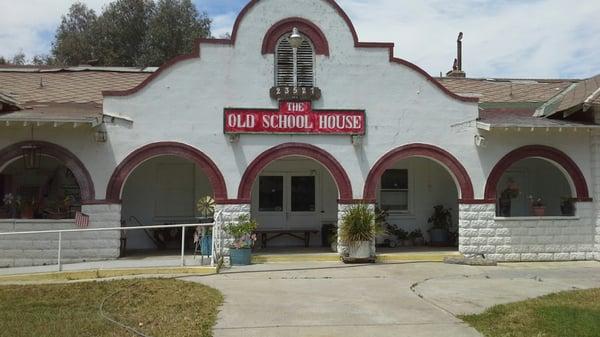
[
  {"x": 538, "y": 151},
  {"x": 305, "y": 27},
  {"x": 137, "y": 157},
  {"x": 66, "y": 157},
  {"x": 295, "y": 149},
  {"x": 419, "y": 150}
]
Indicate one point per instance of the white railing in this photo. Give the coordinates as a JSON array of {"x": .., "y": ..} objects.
[{"x": 215, "y": 255}]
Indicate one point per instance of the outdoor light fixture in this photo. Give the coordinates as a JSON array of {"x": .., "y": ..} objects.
[
  {"x": 233, "y": 138},
  {"x": 295, "y": 40},
  {"x": 101, "y": 135},
  {"x": 31, "y": 154}
]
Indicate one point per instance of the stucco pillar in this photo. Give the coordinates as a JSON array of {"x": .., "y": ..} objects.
[
  {"x": 595, "y": 149},
  {"x": 343, "y": 249}
]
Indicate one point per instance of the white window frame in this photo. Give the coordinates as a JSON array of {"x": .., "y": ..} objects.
[{"x": 410, "y": 194}]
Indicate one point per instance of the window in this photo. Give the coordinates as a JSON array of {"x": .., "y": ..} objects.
[
  {"x": 394, "y": 190},
  {"x": 270, "y": 193},
  {"x": 284, "y": 64},
  {"x": 303, "y": 194}
]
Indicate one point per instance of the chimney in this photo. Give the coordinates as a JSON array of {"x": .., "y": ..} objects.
[{"x": 457, "y": 66}]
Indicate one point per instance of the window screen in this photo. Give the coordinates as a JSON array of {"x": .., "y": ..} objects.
[
  {"x": 303, "y": 194},
  {"x": 394, "y": 190}
]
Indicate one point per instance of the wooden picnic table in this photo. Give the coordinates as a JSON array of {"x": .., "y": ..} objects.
[{"x": 270, "y": 234}]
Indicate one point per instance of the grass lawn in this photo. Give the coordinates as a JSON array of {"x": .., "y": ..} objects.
[
  {"x": 157, "y": 307},
  {"x": 565, "y": 314}
]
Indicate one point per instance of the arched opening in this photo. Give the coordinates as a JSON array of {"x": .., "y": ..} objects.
[
  {"x": 536, "y": 180},
  {"x": 408, "y": 192},
  {"x": 534, "y": 187},
  {"x": 294, "y": 200},
  {"x": 47, "y": 191},
  {"x": 294, "y": 70},
  {"x": 161, "y": 184},
  {"x": 163, "y": 190},
  {"x": 294, "y": 190},
  {"x": 52, "y": 185}
]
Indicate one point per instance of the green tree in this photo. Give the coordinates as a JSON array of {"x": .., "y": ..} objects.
[
  {"x": 74, "y": 39},
  {"x": 173, "y": 28},
  {"x": 129, "y": 33}
]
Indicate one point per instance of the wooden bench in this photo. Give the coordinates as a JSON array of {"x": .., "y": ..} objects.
[{"x": 270, "y": 234}]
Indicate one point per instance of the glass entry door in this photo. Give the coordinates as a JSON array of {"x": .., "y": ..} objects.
[{"x": 287, "y": 201}]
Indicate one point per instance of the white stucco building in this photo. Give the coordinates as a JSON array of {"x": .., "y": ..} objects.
[{"x": 142, "y": 146}]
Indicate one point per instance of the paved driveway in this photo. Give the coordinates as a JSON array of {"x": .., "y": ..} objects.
[{"x": 408, "y": 299}]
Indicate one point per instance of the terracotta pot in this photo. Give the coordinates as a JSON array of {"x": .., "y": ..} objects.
[
  {"x": 539, "y": 211},
  {"x": 27, "y": 213}
]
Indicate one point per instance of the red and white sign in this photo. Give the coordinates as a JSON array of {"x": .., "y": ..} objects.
[{"x": 295, "y": 117}]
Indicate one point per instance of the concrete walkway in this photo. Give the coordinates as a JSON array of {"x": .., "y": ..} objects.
[{"x": 407, "y": 299}]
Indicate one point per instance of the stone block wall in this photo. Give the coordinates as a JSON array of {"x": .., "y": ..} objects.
[
  {"x": 595, "y": 155},
  {"x": 42, "y": 249},
  {"x": 230, "y": 214},
  {"x": 526, "y": 238}
]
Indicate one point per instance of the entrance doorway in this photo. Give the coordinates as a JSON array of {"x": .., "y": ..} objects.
[{"x": 293, "y": 199}]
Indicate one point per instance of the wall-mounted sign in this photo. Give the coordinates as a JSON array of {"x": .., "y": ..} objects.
[{"x": 295, "y": 118}]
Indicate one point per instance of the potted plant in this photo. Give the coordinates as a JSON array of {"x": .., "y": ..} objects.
[
  {"x": 538, "y": 207},
  {"x": 12, "y": 204},
  {"x": 358, "y": 229},
  {"x": 441, "y": 221},
  {"x": 29, "y": 209},
  {"x": 399, "y": 235},
  {"x": 416, "y": 236},
  {"x": 567, "y": 206},
  {"x": 242, "y": 231}
]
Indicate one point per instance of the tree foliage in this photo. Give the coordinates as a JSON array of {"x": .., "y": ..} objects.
[{"x": 129, "y": 33}]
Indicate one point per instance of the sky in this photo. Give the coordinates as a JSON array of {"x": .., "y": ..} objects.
[{"x": 502, "y": 38}]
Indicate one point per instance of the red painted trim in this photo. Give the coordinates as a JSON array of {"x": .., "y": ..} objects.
[
  {"x": 101, "y": 202},
  {"x": 70, "y": 160},
  {"x": 539, "y": 151},
  {"x": 476, "y": 201},
  {"x": 137, "y": 157},
  {"x": 355, "y": 201},
  {"x": 295, "y": 149},
  {"x": 233, "y": 202},
  {"x": 196, "y": 54},
  {"x": 419, "y": 150},
  {"x": 305, "y": 27}
]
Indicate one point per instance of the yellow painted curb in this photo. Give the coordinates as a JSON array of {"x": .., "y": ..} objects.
[
  {"x": 429, "y": 257},
  {"x": 295, "y": 258},
  {"x": 106, "y": 273}
]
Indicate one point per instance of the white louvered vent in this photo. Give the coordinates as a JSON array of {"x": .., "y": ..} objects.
[{"x": 284, "y": 67}]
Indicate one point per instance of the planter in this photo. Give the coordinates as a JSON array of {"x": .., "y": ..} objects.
[
  {"x": 439, "y": 236},
  {"x": 567, "y": 210},
  {"x": 206, "y": 245},
  {"x": 539, "y": 211},
  {"x": 359, "y": 250},
  {"x": 418, "y": 241},
  {"x": 334, "y": 246},
  {"x": 27, "y": 213},
  {"x": 240, "y": 257}
]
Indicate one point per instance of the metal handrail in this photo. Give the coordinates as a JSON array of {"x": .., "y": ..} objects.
[{"x": 106, "y": 229}]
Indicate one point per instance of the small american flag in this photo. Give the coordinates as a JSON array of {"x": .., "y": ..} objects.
[{"x": 82, "y": 220}]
